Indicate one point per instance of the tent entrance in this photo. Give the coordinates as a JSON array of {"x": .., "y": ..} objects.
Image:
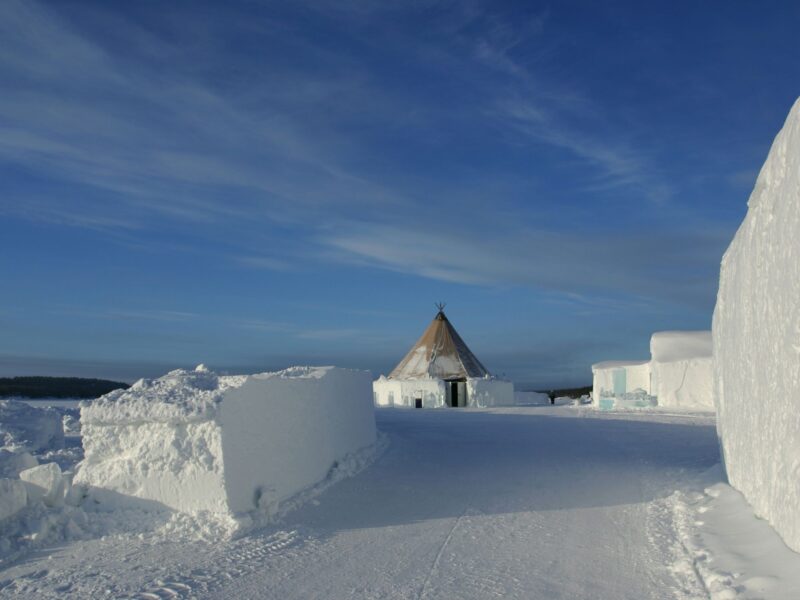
[{"x": 456, "y": 393}]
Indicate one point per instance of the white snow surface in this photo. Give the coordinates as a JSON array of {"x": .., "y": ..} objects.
[
  {"x": 756, "y": 334},
  {"x": 534, "y": 502},
  {"x": 230, "y": 447}
]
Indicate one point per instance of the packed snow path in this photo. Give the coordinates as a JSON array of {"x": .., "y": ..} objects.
[{"x": 533, "y": 502}]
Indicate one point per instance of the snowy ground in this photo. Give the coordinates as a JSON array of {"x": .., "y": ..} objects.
[{"x": 533, "y": 502}]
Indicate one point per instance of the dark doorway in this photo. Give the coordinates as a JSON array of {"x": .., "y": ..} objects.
[
  {"x": 417, "y": 402},
  {"x": 458, "y": 393}
]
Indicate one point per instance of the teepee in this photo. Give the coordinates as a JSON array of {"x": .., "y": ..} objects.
[
  {"x": 441, "y": 370},
  {"x": 439, "y": 353}
]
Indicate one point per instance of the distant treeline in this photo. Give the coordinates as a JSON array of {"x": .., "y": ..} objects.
[
  {"x": 56, "y": 387},
  {"x": 570, "y": 392}
]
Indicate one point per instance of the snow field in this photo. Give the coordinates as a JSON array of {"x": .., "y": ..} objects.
[
  {"x": 225, "y": 447},
  {"x": 527, "y": 502},
  {"x": 756, "y": 335}
]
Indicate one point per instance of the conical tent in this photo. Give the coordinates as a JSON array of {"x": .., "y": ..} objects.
[{"x": 440, "y": 353}]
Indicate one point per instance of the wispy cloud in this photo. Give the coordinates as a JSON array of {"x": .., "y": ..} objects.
[{"x": 643, "y": 265}]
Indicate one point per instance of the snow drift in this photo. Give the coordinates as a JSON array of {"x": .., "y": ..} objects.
[
  {"x": 196, "y": 442},
  {"x": 756, "y": 334}
]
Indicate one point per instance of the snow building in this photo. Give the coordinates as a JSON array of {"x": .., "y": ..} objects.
[
  {"x": 756, "y": 336},
  {"x": 440, "y": 370},
  {"x": 678, "y": 375},
  {"x": 622, "y": 384}
]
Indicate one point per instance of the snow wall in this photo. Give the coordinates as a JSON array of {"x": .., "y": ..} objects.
[
  {"x": 756, "y": 333},
  {"x": 482, "y": 392},
  {"x": 193, "y": 441},
  {"x": 489, "y": 392},
  {"x": 403, "y": 392},
  {"x": 681, "y": 368}
]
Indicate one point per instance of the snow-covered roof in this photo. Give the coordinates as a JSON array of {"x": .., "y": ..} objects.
[
  {"x": 668, "y": 346},
  {"x": 440, "y": 353},
  {"x": 617, "y": 364}
]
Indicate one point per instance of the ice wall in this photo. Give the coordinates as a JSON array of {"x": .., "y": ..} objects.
[
  {"x": 756, "y": 334},
  {"x": 193, "y": 441}
]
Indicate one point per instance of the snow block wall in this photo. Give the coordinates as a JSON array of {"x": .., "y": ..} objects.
[
  {"x": 193, "y": 441},
  {"x": 681, "y": 368},
  {"x": 486, "y": 392},
  {"x": 756, "y": 334}
]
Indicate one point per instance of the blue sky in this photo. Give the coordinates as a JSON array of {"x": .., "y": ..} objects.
[{"x": 253, "y": 185}]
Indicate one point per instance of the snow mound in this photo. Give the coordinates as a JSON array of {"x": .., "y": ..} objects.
[
  {"x": 756, "y": 335},
  {"x": 226, "y": 447},
  {"x": 29, "y": 429},
  {"x": 180, "y": 396}
]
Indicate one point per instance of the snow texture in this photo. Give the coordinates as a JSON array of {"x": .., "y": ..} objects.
[
  {"x": 13, "y": 497},
  {"x": 196, "y": 442},
  {"x": 519, "y": 503},
  {"x": 29, "y": 429},
  {"x": 756, "y": 333},
  {"x": 684, "y": 383},
  {"x": 13, "y": 462},
  {"x": 45, "y": 483}
]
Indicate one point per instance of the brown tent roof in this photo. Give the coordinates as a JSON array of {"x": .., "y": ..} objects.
[{"x": 440, "y": 353}]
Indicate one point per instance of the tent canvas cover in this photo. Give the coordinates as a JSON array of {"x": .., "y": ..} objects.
[{"x": 440, "y": 354}]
